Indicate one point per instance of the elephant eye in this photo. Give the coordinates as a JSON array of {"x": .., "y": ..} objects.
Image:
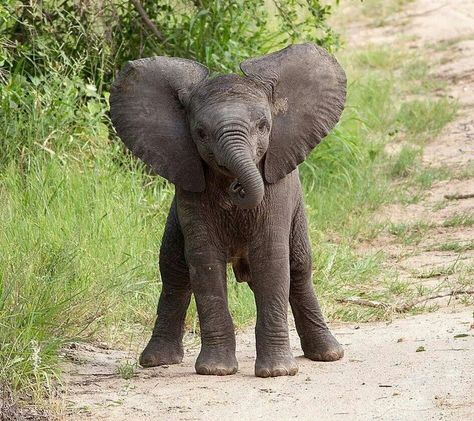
[
  {"x": 201, "y": 133},
  {"x": 262, "y": 125}
]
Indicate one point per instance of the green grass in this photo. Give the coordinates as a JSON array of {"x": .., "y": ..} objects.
[
  {"x": 79, "y": 245},
  {"x": 464, "y": 272},
  {"x": 375, "y": 58},
  {"x": 397, "y": 287},
  {"x": 466, "y": 171},
  {"x": 436, "y": 272},
  {"x": 126, "y": 369},
  {"x": 379, "y": 12},
  {"x": 412, "y": 178},
  {"x": 81, "y": 222},
  {"x": 406, "y": 161},
  {"x": 427, "y": 176},
  {"x": 465, "y": 219},
  {"x": 409, "y": 233},
  {"x": 426, "y": 117},
  {"x": 456, "y": 246},
  {"x": 448, "y": 44}
]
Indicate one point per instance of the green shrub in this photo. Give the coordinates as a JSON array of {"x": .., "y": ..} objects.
[{"x": 98, "y": 37}]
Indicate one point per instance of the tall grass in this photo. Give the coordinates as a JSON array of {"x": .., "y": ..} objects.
[
  {"x": 80, "y": 224},
  {"x": 79, "y": 244}
]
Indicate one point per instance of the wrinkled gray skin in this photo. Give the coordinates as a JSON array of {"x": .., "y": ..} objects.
[{"x": 231, "y": 145}]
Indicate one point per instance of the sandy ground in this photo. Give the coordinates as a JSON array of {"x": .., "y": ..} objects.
[
  {"x": 443, "y": 29},
  {"x": 418, "y": 368},
  {"x": 421, "y": 367}
]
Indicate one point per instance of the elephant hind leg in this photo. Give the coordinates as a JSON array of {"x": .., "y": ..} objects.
[
  {"x": 165, "y": 346},
  {"x": 317, "y": 341}
]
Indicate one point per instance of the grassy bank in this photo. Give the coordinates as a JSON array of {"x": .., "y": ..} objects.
[
  {"x": 353, "y": 173},
  {"x": 81, "y": 222}
]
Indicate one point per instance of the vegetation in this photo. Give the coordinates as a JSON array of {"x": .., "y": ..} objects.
[
  {"x": 126, "y": 369},
  {"x": 81, "y": 221},
  {"x": 381, "y": 11}
]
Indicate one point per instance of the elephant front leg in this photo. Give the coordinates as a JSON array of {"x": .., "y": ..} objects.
[
  {"x": 208, "y": 282},
  {"x": 165, "y": 345},
  {"x": 270, "y": 284}
]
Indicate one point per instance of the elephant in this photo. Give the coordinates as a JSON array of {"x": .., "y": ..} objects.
[{"x": 231, "y": 145}]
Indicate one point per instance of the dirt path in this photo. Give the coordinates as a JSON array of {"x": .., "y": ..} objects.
[
  {"x": 421, "y": 367},
  {"x": 382, "y": 377},
  {"x": 441, "y": 258}
]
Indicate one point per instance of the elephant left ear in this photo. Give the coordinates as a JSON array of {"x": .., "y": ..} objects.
[{"x": 307, "y": 88}]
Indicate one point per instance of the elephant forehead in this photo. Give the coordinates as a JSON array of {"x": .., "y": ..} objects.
[
  {"x": 217, "y": 112},
  {"x": 227, "y": 88}
]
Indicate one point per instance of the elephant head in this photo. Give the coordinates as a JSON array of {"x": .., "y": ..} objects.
[{"x": 249, "y": 128}]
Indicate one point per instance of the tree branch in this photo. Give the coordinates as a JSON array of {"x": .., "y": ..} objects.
[
  {"x": 147, "y": 21},
  {"x": 409, "y": 305},
  {"x": 459, "y": 196},
  {"x": 405, "y": 306},
  {"x": 363, "y": 302}
]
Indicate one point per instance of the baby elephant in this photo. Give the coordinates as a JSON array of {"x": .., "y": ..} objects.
[{"x": 231, "y": 145}]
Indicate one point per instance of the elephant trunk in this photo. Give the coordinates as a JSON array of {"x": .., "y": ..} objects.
[{"x": 234, "y": 154}]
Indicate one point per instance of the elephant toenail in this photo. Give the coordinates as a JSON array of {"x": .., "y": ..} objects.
[
  {"x": 203, "y": 369},
  {"x": 280, "y": 372},
  {"x": 293, "y": 371},
  {"x": 265, "y": 373}
]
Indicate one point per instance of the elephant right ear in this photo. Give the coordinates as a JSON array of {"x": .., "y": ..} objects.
[{"x": 150, "y": 119}]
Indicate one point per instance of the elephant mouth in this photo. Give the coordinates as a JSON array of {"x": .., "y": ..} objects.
[
  {"x": 237, "y": 189},
  {"x": 225, "y": 171}
]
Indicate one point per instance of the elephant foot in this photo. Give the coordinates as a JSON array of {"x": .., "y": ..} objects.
[
  {"x": 275, "y": 366},
  {"x": 161, "y": 352},
  {"x": 217, "y": 361},
  {"x": 322, "y": 346}
]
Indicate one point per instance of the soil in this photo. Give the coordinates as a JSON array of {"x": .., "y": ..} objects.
[
  {"x": 419, "y": 367},
  {"x": 445, "y": 31}
]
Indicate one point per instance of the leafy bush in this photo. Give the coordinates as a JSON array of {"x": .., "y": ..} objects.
[
  {"x": 98, "y": 37},
  {"x": 58, "y": 58}
]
